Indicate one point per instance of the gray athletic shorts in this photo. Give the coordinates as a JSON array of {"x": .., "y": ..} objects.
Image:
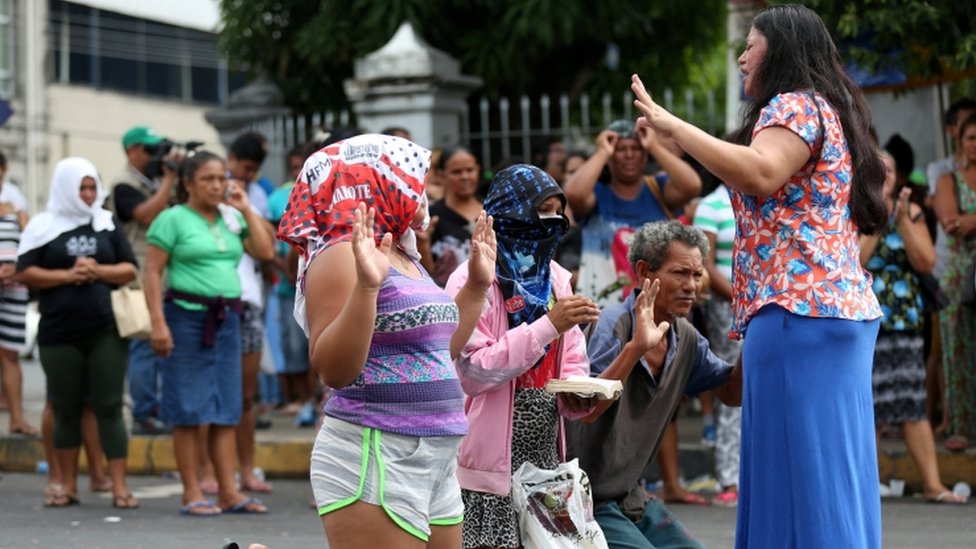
[{"x": 412, "y": 478}]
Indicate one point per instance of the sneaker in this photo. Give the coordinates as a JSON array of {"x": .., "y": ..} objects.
[
  {"x": 262, "y": 423},
  {"x": 726, "y": 499},
  {"x": 708, "y": 436},
  {"x": 150, "y": 426},
  {"x": 306, "y": 416}
]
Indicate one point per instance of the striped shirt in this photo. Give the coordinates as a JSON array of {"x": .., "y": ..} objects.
[
  {"x": 715, "y": 215},
  {"x": 409, "y": 385}
]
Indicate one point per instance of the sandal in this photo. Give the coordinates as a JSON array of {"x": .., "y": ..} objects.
[
  {"x": 947, "y": 498},
  {"x": 127, "y": 501},
  {"x": 956, "y": 443},
  {"x": 57, "y": 497},
  {"x": 25, "y": 431},
  {"x": 200, "y": 508},
  {"x": 247, "y": 506},
  {"x": 689, "y": 498}
]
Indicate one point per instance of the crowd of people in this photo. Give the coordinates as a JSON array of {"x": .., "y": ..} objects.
[{"x": 427, "y": 307}]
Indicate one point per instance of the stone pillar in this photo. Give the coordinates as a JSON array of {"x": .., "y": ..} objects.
[
  {"x": 254, "y": 106},
  {"x": 410, "y": 84}
]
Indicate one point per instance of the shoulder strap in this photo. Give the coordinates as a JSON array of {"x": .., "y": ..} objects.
[{"x": 658, "y": 195}]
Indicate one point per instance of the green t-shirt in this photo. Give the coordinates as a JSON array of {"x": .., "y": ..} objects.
[{"x": 203, "y": 256}]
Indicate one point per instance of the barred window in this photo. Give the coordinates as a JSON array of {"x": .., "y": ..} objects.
[{"x": 119, "y": 52}]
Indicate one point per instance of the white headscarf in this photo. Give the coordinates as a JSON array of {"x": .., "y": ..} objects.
[{"x": 66, "y": 210}]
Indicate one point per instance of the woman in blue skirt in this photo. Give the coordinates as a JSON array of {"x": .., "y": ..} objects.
[{"x": 805, "y": 179}]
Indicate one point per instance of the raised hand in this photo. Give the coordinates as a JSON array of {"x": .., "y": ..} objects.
[
  {"x": 655, "y": 116},
  {"x": 902, "y": 205},
  {"x": 572, "y": 311},
  {"x": 372, "y": 261},
  {"x": 647, "y": 136},
  {"x": 606, "y": 141},
  {"x": 481, "y": 263},
  {"x": 237, "y": 196},
  {"x": 647, "y": 334}
]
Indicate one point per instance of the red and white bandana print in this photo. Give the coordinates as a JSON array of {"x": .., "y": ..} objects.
[{"x": 385, "y": 172}]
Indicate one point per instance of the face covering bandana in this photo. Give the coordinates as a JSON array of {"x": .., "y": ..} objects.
[{"x": 526, "y": 242}]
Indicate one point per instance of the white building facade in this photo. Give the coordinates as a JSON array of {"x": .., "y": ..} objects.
[{"x": 77, "y": 74}]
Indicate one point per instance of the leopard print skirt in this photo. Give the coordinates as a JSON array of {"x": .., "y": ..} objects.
[{"x": 490, "y": 520}]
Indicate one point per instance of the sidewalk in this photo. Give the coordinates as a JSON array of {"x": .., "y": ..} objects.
[{"x": 283, "y": 450}]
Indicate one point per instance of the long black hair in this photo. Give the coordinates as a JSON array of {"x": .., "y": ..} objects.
[
  {"x": 800, "y": 55},
  {"x": 189, "y": 169}
]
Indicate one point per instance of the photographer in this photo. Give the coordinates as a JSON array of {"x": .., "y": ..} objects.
[{"x": 138, "y": 195}]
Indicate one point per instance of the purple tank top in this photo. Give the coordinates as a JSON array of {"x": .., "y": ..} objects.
[{"x": 409, "y": 385}]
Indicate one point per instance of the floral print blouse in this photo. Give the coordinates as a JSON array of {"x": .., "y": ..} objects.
[{"x": 798, "y": 247}]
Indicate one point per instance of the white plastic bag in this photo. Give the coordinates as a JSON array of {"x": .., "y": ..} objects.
[{"x": 555, "y": 508}]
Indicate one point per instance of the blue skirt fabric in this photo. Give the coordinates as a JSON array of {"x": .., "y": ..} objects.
[
  {"x": 809, "y": 469},
  {"x": 201, "y": 385}
]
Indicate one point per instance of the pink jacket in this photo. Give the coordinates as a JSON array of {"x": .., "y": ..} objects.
[{"x": 488, "y": 367}]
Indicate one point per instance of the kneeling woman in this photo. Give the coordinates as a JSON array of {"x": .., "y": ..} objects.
[
  {"x": 528, "y": 335},
  {"x": 382, "y": 334},
  {"x": 197, "y": 330}
]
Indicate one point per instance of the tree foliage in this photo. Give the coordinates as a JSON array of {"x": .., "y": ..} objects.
[
  {"x": 929, "y": 39},
  {"x": 308, "y": 47}
]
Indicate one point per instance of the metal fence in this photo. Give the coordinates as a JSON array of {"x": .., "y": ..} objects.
[
  {"x": 504, "y": 129},
  {"x": 516, "y": 129},
  {"x": 288, "y": 131}
]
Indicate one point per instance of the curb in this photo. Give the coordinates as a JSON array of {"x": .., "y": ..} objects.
[
  {"x": 290, "y": 459},
  {"x": 154, "y": 456}
]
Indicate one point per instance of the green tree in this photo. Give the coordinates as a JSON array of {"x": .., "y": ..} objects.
[
  {"x": 930, "y": 39},
  {"x": 523, "y": 46}
]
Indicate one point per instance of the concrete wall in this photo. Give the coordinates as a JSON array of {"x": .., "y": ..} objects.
[
  {"x": 915, "y": 116},
  {"x": 87, "y": 122}
]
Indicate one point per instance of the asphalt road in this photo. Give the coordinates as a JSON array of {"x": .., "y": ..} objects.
[{"x": 24, "y": 523}]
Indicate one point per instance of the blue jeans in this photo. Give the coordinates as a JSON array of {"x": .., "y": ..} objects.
[
  {"x": 657, "y": 529},
  {"x": 143, "y": 379}
]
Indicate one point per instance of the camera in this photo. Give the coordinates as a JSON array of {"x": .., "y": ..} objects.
[{"x": 160, "y": 151}]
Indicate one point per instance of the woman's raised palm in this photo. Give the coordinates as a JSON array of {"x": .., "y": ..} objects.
[{"x": 372, "y": 261}]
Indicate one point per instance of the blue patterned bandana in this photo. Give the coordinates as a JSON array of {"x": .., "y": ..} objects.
[{"x": 526, "y": 243}]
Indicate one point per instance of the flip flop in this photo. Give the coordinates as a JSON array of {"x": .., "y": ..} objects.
[
  {"x": 947, "y": 498},
  {"x": 59, "y": 498},
  {"x": 956, "y": 443},
  {"x": 690, "y": 498},
  {"x": 191, "y": 509},
  {"x": 127, "y": 501},
  {"x": 247, "y": 506},
  {"x": 26, "y": 432}
]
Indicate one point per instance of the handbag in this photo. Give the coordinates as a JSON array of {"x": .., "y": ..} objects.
[
  {"x": 131, "y": 313},
  {"x": 555, "y": 508},
  {"x": 933, "y": 300}
]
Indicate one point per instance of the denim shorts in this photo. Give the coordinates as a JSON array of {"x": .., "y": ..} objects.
[
  {"x": 201, "y": 384},
  {"x": 412, "y": 478}
]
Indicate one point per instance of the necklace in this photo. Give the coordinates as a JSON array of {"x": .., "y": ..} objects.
[{"x": 218, "y": 236}]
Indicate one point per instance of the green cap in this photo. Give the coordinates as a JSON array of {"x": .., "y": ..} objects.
[{"x": 140, "y": 135}]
